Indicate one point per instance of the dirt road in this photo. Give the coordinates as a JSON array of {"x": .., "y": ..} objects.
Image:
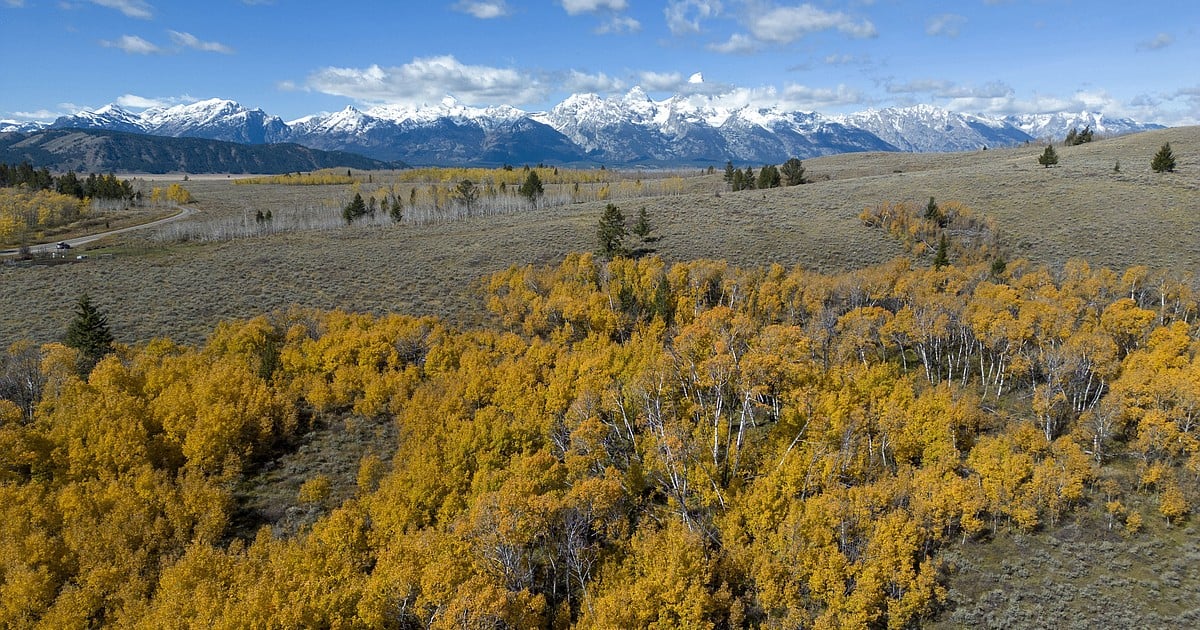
[{"x": 43, "y": 248}]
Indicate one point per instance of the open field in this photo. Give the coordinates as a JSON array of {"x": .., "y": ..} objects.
[{"x": 1079, "y": 209}]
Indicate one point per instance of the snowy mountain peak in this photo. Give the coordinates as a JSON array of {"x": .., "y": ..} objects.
[
  {"x": 629, "y": 128},
  {"x": 112, "y": 109}
]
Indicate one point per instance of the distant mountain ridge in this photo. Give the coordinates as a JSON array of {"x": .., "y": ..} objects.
[
  {"x": 101, "y": 150},
  {"x": 625, "y": 130}
]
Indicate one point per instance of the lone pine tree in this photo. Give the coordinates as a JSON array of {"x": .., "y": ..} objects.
[
  {"x": 611, "y": 232},
  {"x": 642, "y": 227},
  {"x": 1164, "y": 160},
  {"x": 1049, "y": 157},
  {"x": 89, "y": 334},
  {"x": 532, "y": 188},
  {"x": 793, "y": 172}
]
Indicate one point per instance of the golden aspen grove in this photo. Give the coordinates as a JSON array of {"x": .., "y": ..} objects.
[{"x": 626, "y": 443}]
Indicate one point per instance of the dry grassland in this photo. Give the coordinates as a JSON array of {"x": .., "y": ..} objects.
[{"x": 1081, "y": 208}]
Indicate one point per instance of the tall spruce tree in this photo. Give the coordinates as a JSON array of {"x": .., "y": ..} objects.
[
  {"x": 89, "y": 334},
  {"x": 611, "y": 232},
  {"x": 1164, "y": 160},
  {"x": 642, "y": 228},
  {"x": 942, "y": 258}
]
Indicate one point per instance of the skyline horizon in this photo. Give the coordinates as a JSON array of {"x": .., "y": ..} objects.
[{"x": 987, "y": 57}]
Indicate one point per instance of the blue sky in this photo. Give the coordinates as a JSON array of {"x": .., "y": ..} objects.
[{"x": 293, "y": 58}]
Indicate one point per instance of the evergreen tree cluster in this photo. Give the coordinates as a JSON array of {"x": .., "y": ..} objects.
[
  {"x": 1077, "y": 137},
  {"x": 356, "y": 209},
  {"x": 769, "y": 176},
  {"x": 94, "y": 186}
]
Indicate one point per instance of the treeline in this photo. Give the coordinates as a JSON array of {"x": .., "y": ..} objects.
[
  {"x": 628, "y": 444},
  {"x": 92, "y": 187}
]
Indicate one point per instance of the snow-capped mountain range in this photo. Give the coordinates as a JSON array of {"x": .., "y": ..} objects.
[{"x": 631, "y": 129}]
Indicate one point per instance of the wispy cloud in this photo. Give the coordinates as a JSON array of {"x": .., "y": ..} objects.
[
  {"x": 619, "y": 24},
  {"x": 782, "y": 25},
  {"x": 41, "y": 114},
  {"x": 16, "y": 4},
  {"x": 737, "y": 44},
  {"x": 576, "y": 7},
  {"x": 483, "y": 9},
  {"x": 133, "y": 45},
  {"x": 1158, "y": 42},
  {"x": 133, "y": 101},
  {"x": 131, "y": 8},
  {"x": 428, "y": 80},
  {"x": 793, "y": 97},
  {"x": 599, "y": 83},
  {"x": 939, "y": 88},
  {"x": 685, "y": 16},
  {"x": 661, "y": 81},
  {"x": 616, "y": 22},
  {"x": 945, "y": 25},
  {"x": 187, "y": 40}
]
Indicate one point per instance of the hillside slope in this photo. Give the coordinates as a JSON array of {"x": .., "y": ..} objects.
[{"x": 109, "y": 151}]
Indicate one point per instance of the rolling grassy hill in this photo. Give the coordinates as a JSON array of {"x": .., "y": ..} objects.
[{"x": 1079, "y": 209}]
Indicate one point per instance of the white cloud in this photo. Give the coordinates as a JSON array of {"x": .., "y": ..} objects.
[
  {"x": 948, "y": 89},
  {"x": 131, "y": 8},
  {"x": 685, "y": 16},
  {"x": 16, "y": 4},
  {"x": 946, "y": 24},
  {"x": 578, "y": 82},
  {"x": 737, "y": 44},
  {"x": 133, "y": 45},
  {"x": 802, "y": 97},
  {"x": 138, "y": 102},
  {"x": 187, "y": 40},
  {"x": 483, "y": 9},
  {"x": 1160, "y": 41},
  {"x": 616, "y": 23},
  {"x": 661, "y": 81},
  {"x": 783, "y": 25},
  {"x": 619, "y": 24},
  {"x": 793, "y": 97},
  {"x": 1010, "y": 103},
  {"x": 133, "y": 101},
  {"x": 576, "y": 7},
  {"x": 428, "y": 80},
  {"x": 41, "y": 114}
]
